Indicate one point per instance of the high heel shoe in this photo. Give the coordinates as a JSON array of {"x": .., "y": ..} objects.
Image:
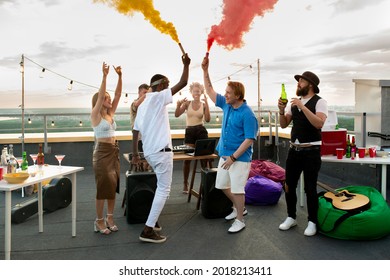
[
  {"x": 112, "y": 228},
  {"x": 104, "y": 231}
]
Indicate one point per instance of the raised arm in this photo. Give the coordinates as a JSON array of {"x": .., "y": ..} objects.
[
  {"x": 118, "y": 90},
  {"x": 95, "y": 114},
  {"x": 184, "y": 76},
  {"x": 207, "y": 116},
  {"x": 207, "y": 81},
  {"x": 181, "y": 107}
]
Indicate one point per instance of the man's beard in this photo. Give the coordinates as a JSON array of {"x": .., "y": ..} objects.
[{"x": 303, "y": 91}]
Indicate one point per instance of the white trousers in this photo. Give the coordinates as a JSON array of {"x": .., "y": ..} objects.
[{"x": 162, "y": 164}]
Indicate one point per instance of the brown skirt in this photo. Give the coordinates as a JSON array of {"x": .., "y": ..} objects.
[{"x": 106, "y": 166}]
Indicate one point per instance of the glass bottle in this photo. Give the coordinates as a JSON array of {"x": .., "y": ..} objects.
[
  {"x": 12, "y": 163},
  {"x": 353, "y": 148},
  {"x": 40, "y": 157},
  {"x": 24, "y": 162},
  {"x": 283, "y": 95},
  {"x": 348, "y": 149}
]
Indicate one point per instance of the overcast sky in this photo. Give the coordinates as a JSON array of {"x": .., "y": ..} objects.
[{"x": 339, "y": 40}]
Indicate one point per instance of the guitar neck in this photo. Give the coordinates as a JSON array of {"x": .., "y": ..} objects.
[{"x": 326, "y": 187}]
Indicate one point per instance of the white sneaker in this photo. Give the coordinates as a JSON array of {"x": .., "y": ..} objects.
[
  {"x": 233, "y": 215},
  {"x": 311, "y": 229},
  {"x": 287, "y": 224},
  {"x": 236, "y": 226}
]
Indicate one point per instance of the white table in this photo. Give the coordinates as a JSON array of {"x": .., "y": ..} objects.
[
  {"x": 48, "y": 172},
  {"x": 383, "y": 161}
]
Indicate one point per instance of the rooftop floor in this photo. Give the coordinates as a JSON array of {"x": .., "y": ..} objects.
[{"x": 190, "y": 236}]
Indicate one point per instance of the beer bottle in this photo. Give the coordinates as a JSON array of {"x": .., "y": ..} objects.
[
  {"x": 353, "y": 148},
  {"x": 283, "y": 95},
  {"x": 40, "y": 156},
  {"x": 24, "y": 162},
  {"x": 348, "y": 149}
]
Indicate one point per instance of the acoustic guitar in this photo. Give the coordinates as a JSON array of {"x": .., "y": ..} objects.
[{"x": 344, "y": 200}]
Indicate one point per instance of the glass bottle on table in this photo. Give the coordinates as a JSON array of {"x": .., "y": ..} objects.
[
  {"x": 348, "y": 148},
  {"x": 24, "y": 162},
  {"x": 12, "y": 163},
  {"x": 40, "y": 158},
  {"x": 353, "y": 148}
]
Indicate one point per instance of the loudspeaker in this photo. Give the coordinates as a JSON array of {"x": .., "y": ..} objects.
[
  {"x": 215, "y": 203},
  {"x": 57, "y": 194},
  {"x": 140, "y": 189}
]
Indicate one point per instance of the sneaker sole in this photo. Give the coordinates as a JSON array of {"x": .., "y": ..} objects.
[{"x": 143, "y": 239}]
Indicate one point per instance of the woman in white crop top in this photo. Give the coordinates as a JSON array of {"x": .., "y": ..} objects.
[
  {"x": 197, "y": 112},
  {"x": 106, "y": 152}
]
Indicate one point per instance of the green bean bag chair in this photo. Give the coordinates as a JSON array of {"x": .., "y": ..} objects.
[{"x": 368, "y": 222}]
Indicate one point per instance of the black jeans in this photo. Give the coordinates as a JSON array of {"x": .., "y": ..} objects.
[{"x": 308, "y": 161}]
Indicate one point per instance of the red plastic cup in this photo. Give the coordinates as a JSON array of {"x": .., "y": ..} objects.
[
  {"x": 339, "y": 153},
  {"x": 372, "y": 151},
  {"x": 362, "y": 152},
  {"x": 1, "y": 173}
]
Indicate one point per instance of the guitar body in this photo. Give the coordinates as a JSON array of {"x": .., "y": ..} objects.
[{"x": 345, "y": 200}]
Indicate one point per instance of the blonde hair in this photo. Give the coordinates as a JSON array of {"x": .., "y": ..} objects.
[{"x": 196, "y": 84}]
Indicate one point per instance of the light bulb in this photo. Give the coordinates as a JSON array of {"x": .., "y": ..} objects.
[
  {"x": 126, "y": 98},
  {"x": 42, "y": 74},
  {"x": 52, "y": 123},
  {"x": 81, "y": 123},
  {"x": 29, "y": 120},
  {"x": 70, "y": 86},
  {"x": 217, "y": 119}
]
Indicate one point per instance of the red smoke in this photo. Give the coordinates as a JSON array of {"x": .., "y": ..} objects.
[{"x": 236, "y": 20}]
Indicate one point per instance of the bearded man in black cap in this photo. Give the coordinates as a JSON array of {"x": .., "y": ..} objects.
[{"x": 308, "y": 112}]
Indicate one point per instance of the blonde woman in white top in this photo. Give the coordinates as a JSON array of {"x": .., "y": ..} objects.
[
  {"x": 106, "y": 152},
  {"x": 198, "y": 112}
]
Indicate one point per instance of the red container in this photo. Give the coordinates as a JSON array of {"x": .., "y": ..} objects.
[{"x": 333, "y": 139}]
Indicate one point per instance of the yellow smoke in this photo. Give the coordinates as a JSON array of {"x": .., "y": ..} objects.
[{"x": 128, "y": 7}]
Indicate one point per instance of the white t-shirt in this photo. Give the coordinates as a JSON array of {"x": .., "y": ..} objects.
[
  {"x": 321, "y": 106},
  {"x": 152, "y": 121}
]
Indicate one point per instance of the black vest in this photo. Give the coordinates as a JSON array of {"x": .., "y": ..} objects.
[{"x": 302, "y": 129}]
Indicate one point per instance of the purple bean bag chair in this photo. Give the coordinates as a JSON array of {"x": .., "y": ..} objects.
[
  {"x": 267, "y": 169},
  {"x": 260, "y": 190}
]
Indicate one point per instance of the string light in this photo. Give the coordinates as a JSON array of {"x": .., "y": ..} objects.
[
  {"x": 52, "y": 123},
  {"x": 239, "y": 70},
  {"x": 42, "y": 74},
  {"x": 70, "y": 86},
  {"x": 29, "y": 120},
  {"x": 81, "y": 123},
  {"x": 217, "y": 119},
  {"x": 126, "y": 98},
  {"x": 72, "y": 81}
]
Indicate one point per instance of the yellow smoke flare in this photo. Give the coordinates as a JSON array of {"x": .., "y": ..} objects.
[{"x": 128, "y": 7}]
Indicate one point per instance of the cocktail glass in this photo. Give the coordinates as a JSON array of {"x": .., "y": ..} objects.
[
  {"x": 19, "y": 160},
  {"x": 59, "y": 158},
  {"x": 34, "y": 158}
]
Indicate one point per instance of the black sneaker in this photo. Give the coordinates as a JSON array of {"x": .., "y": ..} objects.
[{"x": 149, "y": 235}]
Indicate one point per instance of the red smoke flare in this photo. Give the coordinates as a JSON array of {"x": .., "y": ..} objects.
[{"x": 236, "y": 20}]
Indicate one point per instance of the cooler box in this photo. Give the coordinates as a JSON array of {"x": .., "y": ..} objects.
[{"x": 332, "y": 138}]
